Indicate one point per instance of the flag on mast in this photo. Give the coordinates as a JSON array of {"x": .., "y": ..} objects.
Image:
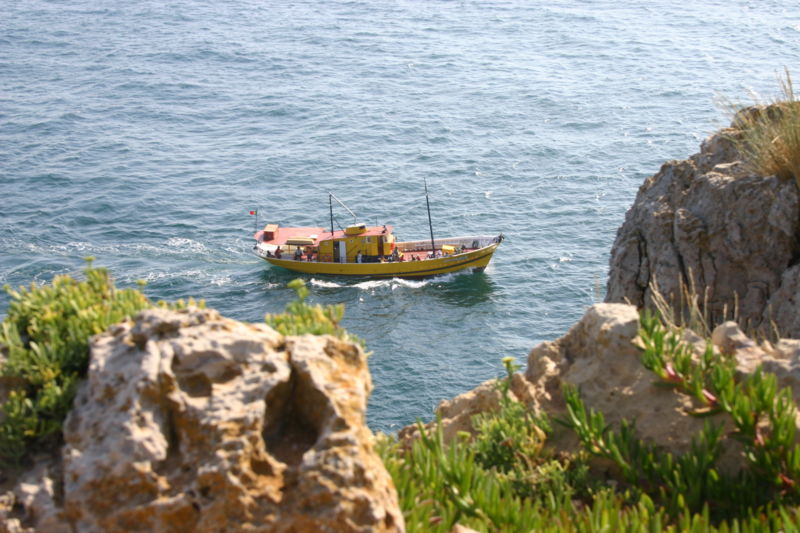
[{"x": 253, "y": 212}]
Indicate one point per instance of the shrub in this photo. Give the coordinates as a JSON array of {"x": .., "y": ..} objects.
[
  {"x": 45, "y": 338},
  {"x": 300, "y": 318}
]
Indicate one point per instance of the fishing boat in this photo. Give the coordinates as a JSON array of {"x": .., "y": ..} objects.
[{"x": 370, "y": 251}]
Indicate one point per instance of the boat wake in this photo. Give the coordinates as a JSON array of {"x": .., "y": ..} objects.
[
  {"x": 155, "y": 277},
  {"x": 326, "y": 284},
  {"x": 390, "y": 283}
]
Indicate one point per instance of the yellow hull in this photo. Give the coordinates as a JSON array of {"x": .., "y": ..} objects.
[{"x": 476, "y": 259}]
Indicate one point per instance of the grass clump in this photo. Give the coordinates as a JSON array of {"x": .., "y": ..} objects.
[
  {"x": 300, "y": 317},
  {"x": 502, "y": 480},
  {"x": 770, "y": 135},
  {"x": 45, "y": 341}
]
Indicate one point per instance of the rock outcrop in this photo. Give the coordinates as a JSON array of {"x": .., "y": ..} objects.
[
  {"x": 710, "y": 224},
  {"x": 599, "y": 355},
  {"x": 193, "y": 422}
]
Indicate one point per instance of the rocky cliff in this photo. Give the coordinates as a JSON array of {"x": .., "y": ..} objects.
[
  {"x": 192, "y": 422},
  {"x": 710, "y": 224}
]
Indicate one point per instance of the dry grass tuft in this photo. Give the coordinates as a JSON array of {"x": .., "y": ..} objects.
[{"x": 770, "y": 134}]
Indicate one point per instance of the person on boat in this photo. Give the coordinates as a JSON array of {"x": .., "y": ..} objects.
[
  {"x": 358, "y": 257},
  {"x": 278, "y": 252},
  {"x": 298, "y": 254},
  {"x": 395, "y": 254}
]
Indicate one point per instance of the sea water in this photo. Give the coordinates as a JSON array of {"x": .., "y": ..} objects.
[{"x": 143, "y": 133}]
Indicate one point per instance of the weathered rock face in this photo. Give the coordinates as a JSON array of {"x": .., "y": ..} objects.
[
  {"x": 708, "y": 222},
  {"x": 599, "y": 355},
  {"x": 193, "y": 422}
]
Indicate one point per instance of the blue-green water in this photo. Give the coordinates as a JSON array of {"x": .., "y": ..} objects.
[{"x": 142, "y": 133}]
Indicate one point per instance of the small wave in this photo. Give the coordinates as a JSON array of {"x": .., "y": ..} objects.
[
  {"x": 373, "y": 284},
  {"x": 218, "y": 280},
  {"x": 392, "y": 284},
  {"x": 187, "y": 245},
  {"x": 409, "y": 283},
  {"x": 397, "y": 283},
  {"x": 175, "y": 246}
]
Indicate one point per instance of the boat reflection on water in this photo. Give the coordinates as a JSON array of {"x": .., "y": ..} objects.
[{"x": 467, "y": 289}]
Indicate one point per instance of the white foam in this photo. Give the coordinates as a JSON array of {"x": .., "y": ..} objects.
[
  {"x": 399, "y": 283},
  {"x": 323, "y": 283},
  {"x": 373, "y": 284},
  {"x": 218, "y": 280},
  {"x": 187, "y": 244}
]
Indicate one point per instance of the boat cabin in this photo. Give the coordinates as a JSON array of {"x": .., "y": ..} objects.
[{"x": 356, "y": 243}]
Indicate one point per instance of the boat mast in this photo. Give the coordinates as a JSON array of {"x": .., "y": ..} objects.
[
  {"x": 331, "y": 198},
  {"x": 430, "y": 224}
]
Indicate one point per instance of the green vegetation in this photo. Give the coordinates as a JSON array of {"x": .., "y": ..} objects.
[
  {"x": 300, "y": 317},
  {"x": 45, "y": 338},
  {"x": 770, "y": 138},
  {"x": 505, "y": 478}
]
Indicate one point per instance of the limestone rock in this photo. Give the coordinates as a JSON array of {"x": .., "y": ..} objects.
[
  {"x": 781, "y": 359},
  {"x": 709, "y": 222},
  {"x": 36, "y": 493},
  {"x": 599, "y": 356},
  {"x": 192, "y": 422},
  {"x": 456, "y": 415}
]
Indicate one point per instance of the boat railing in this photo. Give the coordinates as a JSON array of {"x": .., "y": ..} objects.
[
  {"x": 265, "y": 250},
  {"x": 473, "y": 242}
]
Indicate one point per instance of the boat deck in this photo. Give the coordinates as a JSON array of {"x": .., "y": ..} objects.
[{"x": 415, "y": 255}]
